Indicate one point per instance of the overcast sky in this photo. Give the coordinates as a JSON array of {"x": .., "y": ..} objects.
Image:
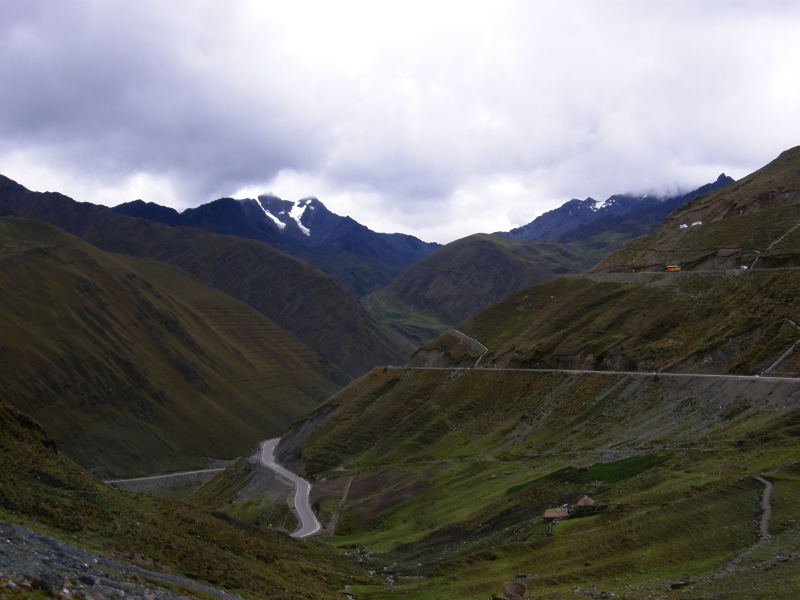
[{"x": 436, "y": 119}]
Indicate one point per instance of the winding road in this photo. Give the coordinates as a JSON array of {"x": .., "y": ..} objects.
[{"x": 308, "y": 521}]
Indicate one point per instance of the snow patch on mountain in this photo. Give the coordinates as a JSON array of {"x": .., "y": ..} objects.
[
  {"x": 281, "y": 225},
  {"x": 298, "y": 209}
]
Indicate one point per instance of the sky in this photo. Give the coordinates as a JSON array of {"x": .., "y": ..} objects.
[{"x": 438, "y": 119}]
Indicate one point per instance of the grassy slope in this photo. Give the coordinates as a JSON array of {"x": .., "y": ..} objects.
[
  {"x": 457, "y": 467},
  {"x": 703, "y": 319},
  {"x": 46, "y": 491},
  {"x": 465, "y": 276},
  {"x": 683, "y": 322},
  {"x": 740, "y": 221},
  {"x": 132, "y": 377},
  {"x": 304, "y": 301}
]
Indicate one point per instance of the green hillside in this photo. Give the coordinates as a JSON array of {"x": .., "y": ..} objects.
[
  {"x": 454, "y": 469},
  {"x": 47, "y": 492},
  {"x": 449, "y": 470},
  {"x": 465, "y": 276},
  {"x": 141, "y": 368},
  {"x": 754, "y": 218},
  {"x": 629, "y": 314},
  {"x": 307, "y": 303},
  {"x": 740, "y": 322}
]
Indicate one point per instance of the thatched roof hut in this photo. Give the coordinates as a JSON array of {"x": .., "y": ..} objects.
[{"x": 586, "y": 501}]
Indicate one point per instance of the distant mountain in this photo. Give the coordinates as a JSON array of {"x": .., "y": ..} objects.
[
  {"x": 359, "y": 258},
  {"x": 642, "y": 219},
  {"x": 466, "y": 276},
  {"x": 731, "y": 307},
  {"x": 470, "y": 274},
  {"x": 309, "y": 304},
  {"x": 577, "y": 214}
]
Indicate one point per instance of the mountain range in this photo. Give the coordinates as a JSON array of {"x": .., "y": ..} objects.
[
  {"x": 310, "y": 305},
  {"x": 653, "y": 399},
  {"x": 462, "y": 278},
  {"x": 359, "y": 258},
  {"x": 577, "y": 214}
]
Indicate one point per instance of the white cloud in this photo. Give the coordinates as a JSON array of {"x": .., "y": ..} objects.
[{"x": 436, "y": 118}]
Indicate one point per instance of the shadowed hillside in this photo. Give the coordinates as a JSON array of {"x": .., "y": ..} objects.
[
  {"x": 293, "y": 294},
  {"x": 464, "y": 277},
  {"x": 739, "y": 322},
  {"x": 357, "y": 257},
  {"x": 134, "y": 371},
  {"x": 47, "y": 492}
]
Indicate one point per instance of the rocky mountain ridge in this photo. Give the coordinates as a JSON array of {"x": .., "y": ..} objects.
[
  {"x": 359, "y": 258},
  {"x": 576, "y": 214}
]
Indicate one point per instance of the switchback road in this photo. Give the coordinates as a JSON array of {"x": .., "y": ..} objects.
[{"x": 308, "y": 521}]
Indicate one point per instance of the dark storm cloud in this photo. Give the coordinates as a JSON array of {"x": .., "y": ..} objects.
[{"x": 105, "y": 88}]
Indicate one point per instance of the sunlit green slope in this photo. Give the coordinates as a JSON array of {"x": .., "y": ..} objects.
[{"x": 453, "y": 469}]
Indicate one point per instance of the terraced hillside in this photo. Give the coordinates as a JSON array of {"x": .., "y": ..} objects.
[
  {"x": 307, "y": 303},
  {"x": 465, "y": 276},
  {"x": 160, "y": 539},
  {"x": 141, "y": 368},
  {"x": 450, "y": 472},
  {"x": 752, "y": 223}
]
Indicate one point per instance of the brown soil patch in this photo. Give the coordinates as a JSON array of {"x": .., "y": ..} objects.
[
  {"x": 331, "y": 488},
  {"x": 374, "y": 494},
  {"x": 369, "y": 484},
  {"x": 384, "y": 501}
]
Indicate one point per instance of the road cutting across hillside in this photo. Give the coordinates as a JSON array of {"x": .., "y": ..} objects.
[
  {"x": 308, "y": 521},
  {"x": 631, "y": 373}
]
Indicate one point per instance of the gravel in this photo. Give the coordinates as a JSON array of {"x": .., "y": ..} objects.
[{"x": 30, "y": 560}]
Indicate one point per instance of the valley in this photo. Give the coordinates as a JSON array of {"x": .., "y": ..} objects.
[{"x": 558, "y": 416}]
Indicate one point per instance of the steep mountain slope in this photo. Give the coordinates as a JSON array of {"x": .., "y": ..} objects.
[
  {"x": 580, "y": 213},
  {"x": 45, "y": 491},
  {"x": 470, "y": 274},
  {"x": 131, "y": 377},
  {"x": 360, "y": 259},
  {"x": 650, "y": 322},
  {"x": 310, "y": 305},
  {"x": 465, "y": 276},
  {"x": 728, "y": 228},
  {"x": 624, "y": 316},
  {"x": 451, "y": 470}
]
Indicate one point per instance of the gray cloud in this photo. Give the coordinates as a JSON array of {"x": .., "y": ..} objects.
[{"x": 437, "y": 119}]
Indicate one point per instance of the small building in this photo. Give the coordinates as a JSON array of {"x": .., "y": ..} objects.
[
  {"x": 673, "y": 268},
  {"x": 697, "y": 223},
  {"x": 555, "y": 514},
  {"x": 684, "y": 226},
  {"x": 585, "y": 501}
]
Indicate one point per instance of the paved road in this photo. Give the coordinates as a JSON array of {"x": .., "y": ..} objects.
[
  {"x": 308, "y": 522},
  {"x": 179, "y": 474},
  {"x": 631, "y": 373}
]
